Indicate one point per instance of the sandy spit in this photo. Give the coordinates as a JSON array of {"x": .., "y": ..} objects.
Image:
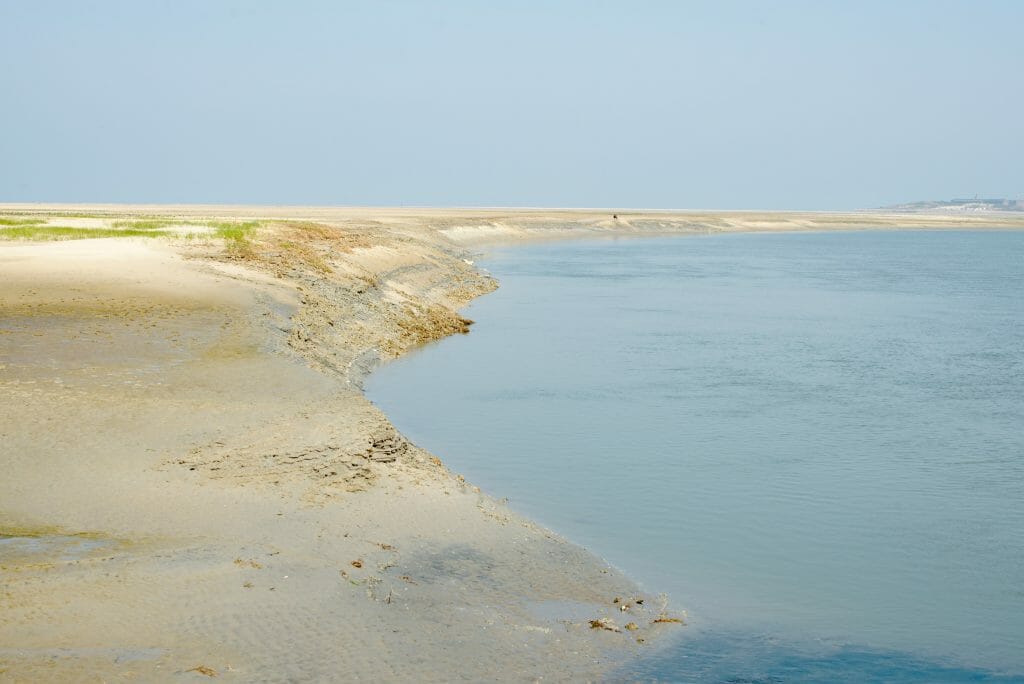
[{"x": 195, "y": 487}]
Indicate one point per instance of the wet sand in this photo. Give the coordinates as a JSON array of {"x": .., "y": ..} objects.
[{"x": 196, "y": 487}]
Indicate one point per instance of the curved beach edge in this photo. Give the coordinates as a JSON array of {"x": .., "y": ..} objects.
[{"x": 197, "y": 487}]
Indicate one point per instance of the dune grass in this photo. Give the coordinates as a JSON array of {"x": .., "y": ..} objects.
[
  {"x": 149, "y": 224},
  {"x": 48, "y": 233},
  {"x": 232, "y": 231},
  {"x": 237, "y": 235}
]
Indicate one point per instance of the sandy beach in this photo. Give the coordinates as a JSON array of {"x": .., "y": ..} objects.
[{"x": 195, "y": 486}]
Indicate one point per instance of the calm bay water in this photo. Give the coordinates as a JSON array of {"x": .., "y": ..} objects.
[{"x": 813, "y": 442}]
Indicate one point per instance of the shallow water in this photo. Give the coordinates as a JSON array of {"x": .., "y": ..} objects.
[
  {"x": 812, "y": 442},
  {"x": 49, "y": 548}
]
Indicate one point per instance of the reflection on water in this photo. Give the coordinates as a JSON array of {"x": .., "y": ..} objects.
[{"x": 814, "y": 437}]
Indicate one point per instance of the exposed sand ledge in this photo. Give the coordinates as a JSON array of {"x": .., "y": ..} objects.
[{"x": 192, "y": 474}]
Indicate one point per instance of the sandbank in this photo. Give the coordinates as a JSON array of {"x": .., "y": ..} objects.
[{"x": 195, "y": 486}]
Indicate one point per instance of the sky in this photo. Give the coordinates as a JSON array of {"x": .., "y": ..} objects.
[{"x": 576, "y": 103}]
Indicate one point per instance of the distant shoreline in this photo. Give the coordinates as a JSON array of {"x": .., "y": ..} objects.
[{"x": 474, "y": 227}]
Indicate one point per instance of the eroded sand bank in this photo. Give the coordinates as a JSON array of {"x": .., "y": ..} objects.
[{"x": 195, "y": 486}]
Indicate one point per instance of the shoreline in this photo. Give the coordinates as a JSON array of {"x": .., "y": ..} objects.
[{"x": 198, "y": 482}]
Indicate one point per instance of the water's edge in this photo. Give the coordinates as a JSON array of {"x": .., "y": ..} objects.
[{"x": 831, "y": 661}]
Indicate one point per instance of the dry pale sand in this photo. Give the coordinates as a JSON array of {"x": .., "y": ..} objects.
[{"x": 194, "y": 485}]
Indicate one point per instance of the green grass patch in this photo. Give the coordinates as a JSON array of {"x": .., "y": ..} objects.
[
  {"x": 232, "y": 231},
  {"x": 149, "y": 224},
  {"x": 236, "y": 236},
  {"x": 47, "y": 233}
]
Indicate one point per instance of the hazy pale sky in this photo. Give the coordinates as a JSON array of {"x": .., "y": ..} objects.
[{"x": 815, "y": 105}]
